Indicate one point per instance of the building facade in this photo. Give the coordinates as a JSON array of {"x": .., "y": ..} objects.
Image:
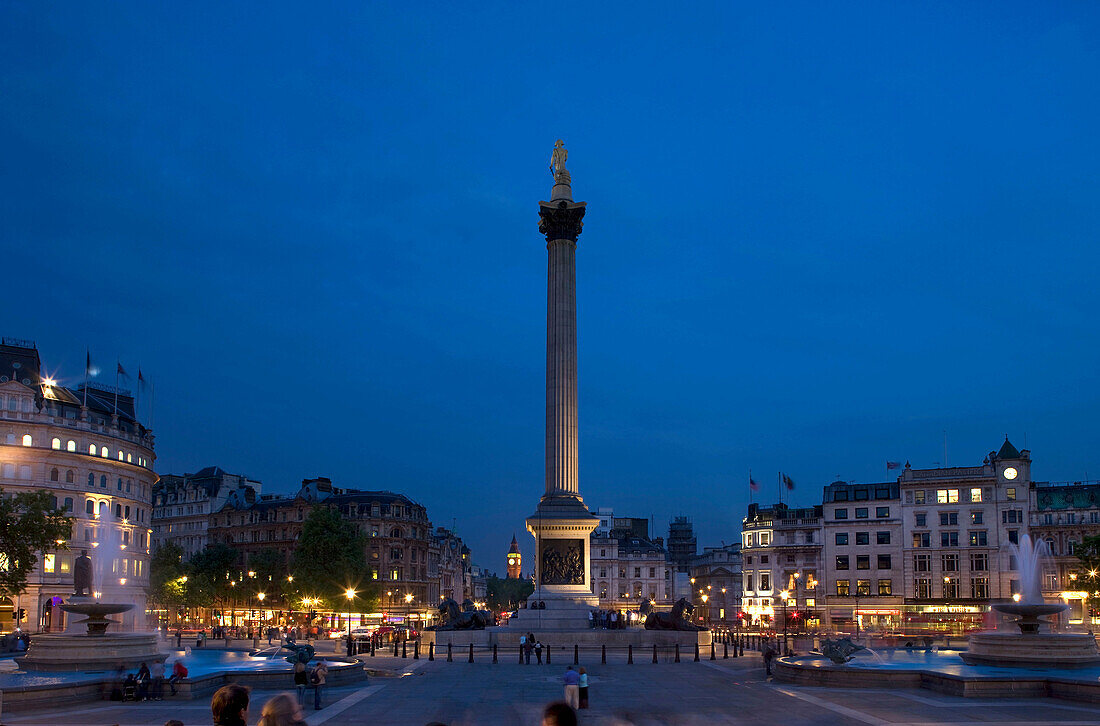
[
  {"x": 781, "y": 551},
  {"x": 86, "y": 447},
  {"x": 628, "y": 569},
  {"x": 1062, "y": 515},
  {"x": 862, "y": 587},
  {"x": 717, "y": 585},
  {"x": 182, "y": 505},
  {"x": 682, "y": 545}
]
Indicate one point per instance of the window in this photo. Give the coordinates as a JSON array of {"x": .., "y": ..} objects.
[
  {"x": 120, "y": 483},
  {"x": 1010, "y": 494},
  {"x": 1071, "y": 546},
  {"x": 882, "y": 538},
  {"x": 863, "y": 562},
  {"x": 27, "y": 441},
  {"x": 922, "y": 562},
  {"x": 89, "y": 507},
  {"x": 1050, "y": 580},
  {"x": 979, "y": 539},
  {"x": 976, "y": 518},
  {"x": 885, "y": 587},
  {"x": 70, "y": 446},
  {"x": 748, "y": 539},
  {"x": 765, "y": 539},
  {"x": 48, "y": 562},
  {"x": 979, "y": 588},
  {"x": 863, "y": 538},
  {"x": 863, "y": 587},
  {"x": 951, "y": 587},
  {"x": 842, "y": 587},
  {"x": 923, "y": 588},
  {"x": 949, "y": 519},
  {"x": 840, "y": 496},
  {"x": 69, "y": 476},
  {"x": 921, "y": 519},
  {"x": 840, "y": 513},
  {"x": 637, "y": 572},
  {"x": 1014, "y": 537},
  {"x": 922, "y": 539},
  {"x": 882, "y": 512},
  {"x": 947, "y": 496},
  {"x": 882, "y": 493},
  {"x": 861, "y": 512},
  {"x": 54, "y": 475},
  {"x": 918, "y": 497},
  {"x": 103, "y": 481},
  {"x": 1012, "y": 516},
  {"x": 56, "y": 444},
  {"x": 105, "y": 452},
  {"x": 884, "y": 562},
  {"x": 842, "y": 562},
  {"x": 975, "y": 494},
  {"x": 652, "y": 571},
  {"x": 949, "y": 539},
  {"x": 949, "y": 563},
  {"x": 748, "y": 581},
  {"x": 765, "y": 581},
  {"x": 120, "y": 455},
  {"x": 842, "y": 538}
]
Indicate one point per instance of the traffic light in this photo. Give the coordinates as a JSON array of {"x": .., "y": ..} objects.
[{"x": 20, "y": 615}]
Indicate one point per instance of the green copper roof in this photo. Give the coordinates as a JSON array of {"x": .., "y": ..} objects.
[
  {"x": 1008, "y": 451},
  {"x": 1074, "y": 496}
]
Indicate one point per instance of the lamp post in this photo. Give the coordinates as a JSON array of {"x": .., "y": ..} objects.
[
  {"x": 408, "y": 609},
  {"x": 260, "y": 596},
  {"x": 783, "y": 595},
  {"x": 350, "y": 595}
]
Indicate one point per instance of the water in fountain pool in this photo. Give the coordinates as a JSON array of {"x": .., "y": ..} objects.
[{"x": 1030, "y": 556}]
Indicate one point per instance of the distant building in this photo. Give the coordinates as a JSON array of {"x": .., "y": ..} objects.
[
  {"x": 449, "y": 566},
  {"x": 86, "y": 447},
  {"x": 515, "y": 560},
  {"x": 627, "y": 570},
  {"x": 682, "y": 546},
  {"x": 1062, "y": 515},
  {"x": 182, "y": 505},
  {"x": 606, "y": 516},
  {"x": 716, "y": 585},
  {"x": 781, "y": 549}
]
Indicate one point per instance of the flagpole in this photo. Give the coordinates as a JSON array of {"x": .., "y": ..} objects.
[
  {"x": 118, "y": 366},
  {"x": 750, "y": 486},
  {"x": 87, "y": 369}
]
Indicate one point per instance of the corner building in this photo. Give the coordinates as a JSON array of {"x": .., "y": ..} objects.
[{"x": 84, "y": 446}]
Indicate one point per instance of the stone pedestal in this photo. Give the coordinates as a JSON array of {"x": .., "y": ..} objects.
[{"x": 64, "y": 652}]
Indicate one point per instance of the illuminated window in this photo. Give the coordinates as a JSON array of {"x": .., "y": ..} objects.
[
  {"x": 48, "y": 563},
  {"x": 120, "y": 456},
  {"x": 56, "y": 444},
  {"x": 27, "y": 440},
  {"x": 842, "y": 587},
  {"x": 105, "y": 452},
  {"x": 1010, "y": 494},
  {"x": 129, "y": 458},
  {"x": 975, "y": 495},
  {"x": 91, "y": 449},
  {"x": 70, "y": 446},
  {"x": 885, "y": 587},
  {"x": 863, "y": 587}
]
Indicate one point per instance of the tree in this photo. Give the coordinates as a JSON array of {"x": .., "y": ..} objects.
[
  {"x": 330, "y": 559},
  {"x": 168, "y": 577},
  {"x": 211, "y": 572},
  {"x": 1088, "y": 552},
  {"x": 271, "y": 571},
  {"x": 30, "y": 522},
  {"x": 508, "y": 594}
]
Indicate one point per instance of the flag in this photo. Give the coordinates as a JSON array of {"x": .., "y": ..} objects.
[
  {"x": 122, "y": 371},
  {"x": 88, "y": 365},
  {"x": 788, "y": 482},
  {"x": 141, "y": 378},
  {"x": 893, "y": 465},
  {"x": 753, "y": 485}
]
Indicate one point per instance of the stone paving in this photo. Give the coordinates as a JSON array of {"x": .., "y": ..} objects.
[{"x": 688, "y": 694}]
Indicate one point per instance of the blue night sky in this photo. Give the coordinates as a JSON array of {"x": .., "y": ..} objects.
[{"x": 816, "y": 239}]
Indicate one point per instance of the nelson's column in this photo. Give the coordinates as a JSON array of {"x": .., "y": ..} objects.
[{"x": 561, "y": 524}]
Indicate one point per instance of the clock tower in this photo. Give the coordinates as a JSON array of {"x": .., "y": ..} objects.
[{"x": 514, "y": 560}]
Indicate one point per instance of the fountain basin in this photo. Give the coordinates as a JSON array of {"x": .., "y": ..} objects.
[
  {"x": 97, "y": 612},
  {"x": 1031, "y": 649},
  {"x": 67, "y": 652}
]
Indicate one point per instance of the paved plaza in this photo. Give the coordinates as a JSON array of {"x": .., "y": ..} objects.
[{"x": 708, "y": 692}]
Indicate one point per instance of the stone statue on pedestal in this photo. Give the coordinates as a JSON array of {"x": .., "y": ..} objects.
[
  {"x": 557, "y": 163},
  {"x": 82, "y": 575}
]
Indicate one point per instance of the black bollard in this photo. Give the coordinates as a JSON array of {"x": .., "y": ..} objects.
[
  {"x": 471, "y": 658},
  {"x": 416, "y": 649},
  {"x": 629, "y": 653},
  {"x": 548, "y": 649},
  {"x": 696, "y": 652},
  {"x": 395, "y": 649},
  {"x": 576, "y": 654},
  {"x": 654, "y": 652},
  {"x": 726, "y": 651},
  {"x": 450, "y": 658},
  {"x": 677, "y": 658},
  {"x": 372, "y": 647},
  {"x": 741, "y": 650},
  {"x": 431, "y": 651},
  {"x": 404, "y": 649},
  {"x": 603, "y": 654},
  {"x": 521, "y": 655},
  {"x": 712, "y": 652}
]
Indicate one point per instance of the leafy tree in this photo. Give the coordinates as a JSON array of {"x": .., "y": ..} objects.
[
  {"x": 509, "y": 593},
  {"x": 30, "y": 522},
  {"x": 1088, "y": 553},
  {"x": 271, "y": 571},
  {"x": 211, "y": 572},
  {"x": 329, "y": 559},
  {"x": 168, "y": 577}
]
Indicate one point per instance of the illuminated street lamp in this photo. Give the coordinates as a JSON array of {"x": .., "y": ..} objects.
[
  {"x": 350, "y": 595},
  {"x": 784, "y": 595}
]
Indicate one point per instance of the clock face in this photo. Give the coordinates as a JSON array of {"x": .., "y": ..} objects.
[{"x": 1010, "y": 473}]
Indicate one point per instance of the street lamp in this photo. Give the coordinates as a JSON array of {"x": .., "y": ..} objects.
[
  {"x": 408, "y": 607},
  {"x": 784, "y": 595},
  {"x": 350, "y": 595}
]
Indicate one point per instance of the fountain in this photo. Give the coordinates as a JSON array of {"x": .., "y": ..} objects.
[
  {"x": 95, "y": 648},
  {"x": 1035, "y": 644}
]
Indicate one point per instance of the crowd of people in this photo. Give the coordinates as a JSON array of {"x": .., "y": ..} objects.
[{"x": 611, "y": 619}]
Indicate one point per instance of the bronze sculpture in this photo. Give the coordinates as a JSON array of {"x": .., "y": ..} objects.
[
  {"x": 678, "y": 619},
  {"x": 839, "y": 651},
  {"x": 467, "y": 618},
  {"x": 82, "y": 575}
]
